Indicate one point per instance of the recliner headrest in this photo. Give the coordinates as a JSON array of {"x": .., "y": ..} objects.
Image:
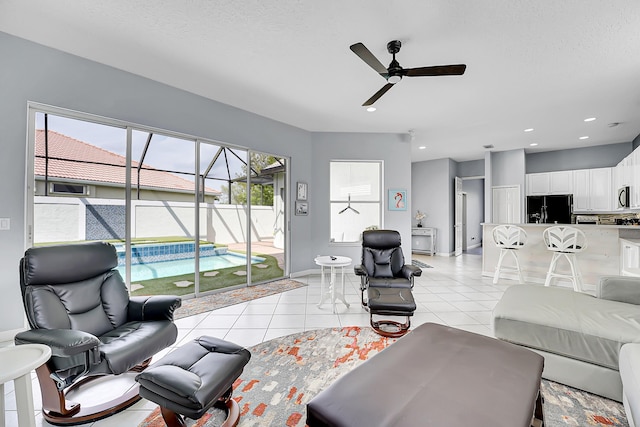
[
  {"x": 380, "y": 239},
  {"x": 52, "y": 265}
]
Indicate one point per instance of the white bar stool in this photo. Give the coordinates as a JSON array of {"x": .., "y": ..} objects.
[
  {"x": 565, "y": 242},
  {"x": 509, "y": 238}
]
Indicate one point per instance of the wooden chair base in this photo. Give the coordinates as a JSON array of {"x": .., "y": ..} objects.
[
  {"x": 93, "y": 413},
  {"x": 398, "y": 329},
  {"x": 57, "y": 410},
  {"x": 172, "y": 419}
]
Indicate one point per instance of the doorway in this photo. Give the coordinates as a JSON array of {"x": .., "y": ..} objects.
[{"x": 473, "y": 214}]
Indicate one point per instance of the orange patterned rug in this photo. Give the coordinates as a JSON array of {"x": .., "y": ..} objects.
[{"x": 285, "y": 373}]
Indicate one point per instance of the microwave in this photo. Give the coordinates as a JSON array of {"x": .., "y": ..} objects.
[{"x": 623, "y": 197}]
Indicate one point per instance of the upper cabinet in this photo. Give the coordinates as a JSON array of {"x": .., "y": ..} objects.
[
  {"x": 592, "y": 190},
  {"x": 627, "y": 174},
  {"x": 540, "y": 184}
]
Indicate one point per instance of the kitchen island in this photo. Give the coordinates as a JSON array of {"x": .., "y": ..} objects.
[{"x": 601, "y": 257}]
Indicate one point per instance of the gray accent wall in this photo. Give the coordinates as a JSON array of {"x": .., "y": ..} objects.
[
  {"x": 432, "y": 190},
  {"x": 635, "y": 143},
  {"x": 601, "y": 156},
  {"x": 32, "y": 72},
  {"x": 471, "y": 168}
]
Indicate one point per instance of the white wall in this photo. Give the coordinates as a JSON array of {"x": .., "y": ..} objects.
[{"x": 394, "y": 149}]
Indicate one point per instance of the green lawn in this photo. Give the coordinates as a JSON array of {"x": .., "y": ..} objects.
[{"x": 224, "y": 279}]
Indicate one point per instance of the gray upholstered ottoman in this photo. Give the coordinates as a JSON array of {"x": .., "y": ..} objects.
[
  {"x": 194, "y": 377},
  {"x": 436, "y": 376}
]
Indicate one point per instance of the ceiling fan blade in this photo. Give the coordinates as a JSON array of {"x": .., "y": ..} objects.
[
  {"x": 377, "y": 95},
  {"x": 366, "y": 55},
  {"x": 438, "y": 70}
]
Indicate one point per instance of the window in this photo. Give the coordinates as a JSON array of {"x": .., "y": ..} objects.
[
  {"x": 75, "y": 189},
  {"x": 355, "y": 198}
]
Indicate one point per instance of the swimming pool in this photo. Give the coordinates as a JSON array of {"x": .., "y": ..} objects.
[{"x": 155, "y": 270}]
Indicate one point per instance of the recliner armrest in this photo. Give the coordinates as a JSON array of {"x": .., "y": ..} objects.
[
  {"x": 63, "y": 342},
  {"x": 409, "y": 271},
  {"x": 619, "y": 288},
  {"x": 156, "y": 307},
  {"x": 360, "y": 270}
]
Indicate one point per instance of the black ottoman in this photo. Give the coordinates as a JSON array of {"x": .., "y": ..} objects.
[
  {"x": 194, "y": 377},
  {"x": 390, "y": 302}
]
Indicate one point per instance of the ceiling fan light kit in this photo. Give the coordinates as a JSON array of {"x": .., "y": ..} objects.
[{"x": 394, "y": 73}]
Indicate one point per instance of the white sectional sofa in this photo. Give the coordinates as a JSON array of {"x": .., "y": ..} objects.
[{"x": 589, "y": 342}]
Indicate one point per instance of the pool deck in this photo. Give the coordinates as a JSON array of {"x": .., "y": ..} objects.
[{"x": 262, "y": 247}]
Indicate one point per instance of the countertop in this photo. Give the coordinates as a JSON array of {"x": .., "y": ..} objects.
[{"x": 615, "y": 226}]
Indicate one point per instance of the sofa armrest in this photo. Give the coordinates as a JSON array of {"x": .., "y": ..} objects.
[
  {"x": 410, "y": 271},
  {"x": 156, "y": 307},
  {"x": 619, "y": 288},
  {"x": 63, "y": 342}
]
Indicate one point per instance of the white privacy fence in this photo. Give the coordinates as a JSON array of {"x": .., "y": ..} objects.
[{"x": 58, "y": 219}]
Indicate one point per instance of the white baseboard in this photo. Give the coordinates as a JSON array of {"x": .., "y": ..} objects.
[
  {"x": 304, "y": 273},
  {"x": 477, "y": 245}
]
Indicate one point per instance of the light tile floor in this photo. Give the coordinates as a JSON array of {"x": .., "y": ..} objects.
[{"x": 452, "y": 293}]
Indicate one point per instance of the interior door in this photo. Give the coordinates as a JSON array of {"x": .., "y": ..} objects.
[{"x": 458, "y": 226}]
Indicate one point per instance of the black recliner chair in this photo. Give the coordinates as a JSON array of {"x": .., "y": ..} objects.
[
  {"x": 387, "y": 280},
  {"x": 77, "y": 303}
]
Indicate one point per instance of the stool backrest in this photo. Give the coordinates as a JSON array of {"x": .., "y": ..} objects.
[
  {"x": 564, "y": 239},
  {"x": 509, "y": 236}
]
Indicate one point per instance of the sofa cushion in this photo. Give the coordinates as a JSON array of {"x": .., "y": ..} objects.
[{"x": 568, "y": 323}]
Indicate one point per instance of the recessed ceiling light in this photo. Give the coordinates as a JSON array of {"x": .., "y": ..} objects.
[
  {"x": 533, "y": 144},
  {"x": 584, "y": 137},
  {"x": 371, "y": 109},
  {"x": 590, "y": 119},
  {"x": 422, "y": 147},
  {"x": 529, "y": 130}
]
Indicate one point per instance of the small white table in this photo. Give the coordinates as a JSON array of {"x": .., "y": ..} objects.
[
  {"x": 328, "y": 261},
  {"x": 16, "y": 363}
]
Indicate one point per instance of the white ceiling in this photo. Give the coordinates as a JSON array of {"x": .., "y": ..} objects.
[{"x": 544, "y": 64}]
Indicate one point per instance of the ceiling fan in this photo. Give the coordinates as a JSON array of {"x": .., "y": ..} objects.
[{"x": 394, "y": 73}]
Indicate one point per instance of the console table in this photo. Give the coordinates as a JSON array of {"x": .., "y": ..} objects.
[{"x": 423, "y": 240}]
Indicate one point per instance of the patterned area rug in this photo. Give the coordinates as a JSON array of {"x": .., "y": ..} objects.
[
  {"x": 285, "y": 373},
  {"x": 420, "y": 264},
  {"x": 223, "y": 299}
]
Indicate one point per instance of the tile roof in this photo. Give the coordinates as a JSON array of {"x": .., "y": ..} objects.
[{"x": 97, "y": 165}]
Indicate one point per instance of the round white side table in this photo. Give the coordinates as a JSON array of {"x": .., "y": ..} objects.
[
  {"x": 332, "y": 262},
  {"x": 16, "y": 363}
]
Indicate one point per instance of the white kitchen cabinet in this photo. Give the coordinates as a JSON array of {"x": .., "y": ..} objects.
[
  {"x": 538, "y": 184},
  {"x": 592, "y": 190},
  {"x": 541, "y": 184},
  {"x": 561, "y": 182},
  {"x": 634, "y": 185},
  {"x": 629, "y": 257}
]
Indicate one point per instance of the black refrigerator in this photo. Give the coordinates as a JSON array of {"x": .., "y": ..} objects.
[{"x": 552, "y": 209}]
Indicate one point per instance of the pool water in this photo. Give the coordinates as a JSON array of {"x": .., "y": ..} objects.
[{"x": 155, "y": 270}]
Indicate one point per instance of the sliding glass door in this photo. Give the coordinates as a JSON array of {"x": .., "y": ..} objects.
[{"x": 187, "y": 216}]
